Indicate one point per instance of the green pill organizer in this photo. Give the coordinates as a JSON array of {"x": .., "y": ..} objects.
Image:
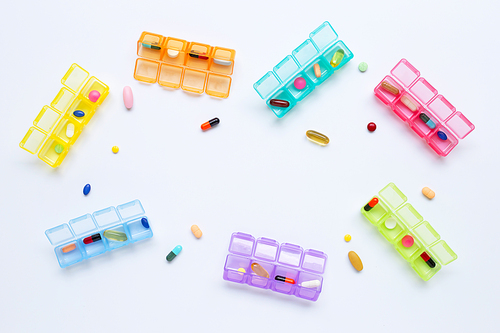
[{"x": 396, "y": 219}]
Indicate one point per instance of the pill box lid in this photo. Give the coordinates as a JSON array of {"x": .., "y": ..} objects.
[
  {"x": 305, "y": 53},
  {"x": 323, "y": 36},
  {"x": 106, "y": 217},
  {"x": 460, "y": 125},
  {"x": 405, "y": 73},
  {"x": 409, "y": 215},
  {"x": 426, "y": 233},
  {"x": 83, "y": 225},
  {"x": 33, "y": 140},
  {"x": 266, "y": 249},
  {"x": 392, "y": 196},
  {"x": 267, "y": 85},
  {"x": 74, "y": 78},
  {"x": 443, "y": 253},
  {"x": 290, "y": 254},
  {"x": 286, "y": 68},
  {"x": 242, "y": 243},
  {"x": 314, "y": 261},
  {"x": 130, "y": 210},
  {"x": 59, "y": 234}
]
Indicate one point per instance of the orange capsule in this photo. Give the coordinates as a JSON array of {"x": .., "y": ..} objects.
[
  {"x": 373, "y": 202},
  {"x": 210, "y": 124},
  {"x": 68, "y": 248}
]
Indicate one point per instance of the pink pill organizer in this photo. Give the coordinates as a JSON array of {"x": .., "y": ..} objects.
[{"x": 425, "y": 97}]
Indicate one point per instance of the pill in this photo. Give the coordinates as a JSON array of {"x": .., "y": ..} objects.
[
  {"x": 355, "y": 261},
  {"x": 299, "y": 83},
  {"x": 279, "y": 103},
  {"x": 317, "y": 70},
  {"x": 371, "y": 127},
  {"x": 86, "y": 189},
  {"x": 317, "y": 138},
  {"x": 373, "y": 202},
  {"x": 92, "y": 239},
  {"x": 222, "y": 62},
  {"x": 94, "y": 96},
  {"x": 116, "y": 236},
  {"x": 425, "y": 118},
  {"x": 154, "y": 46},
  {"x": 428, "y": 193},
  {"x": 284, "y": 279},
  {"x": 209, "y": 124},
  {"x": 389, "y": 88},
  {"x": 363, "y": 66},
  {"x": 196, "y": 231},
  {"x": 311, "y": 284},
  {"x": 174, "y": 253},
  {"x": 59, "y": 148},
  {"x": 145, "y": 223},
  {"x": 242, "y": 270},
  {"x": 442, "y": 135},
  {"x": 337, "y": 58},
  {"x": 172, "y": 53},
  {"x": 128, "y": 97},
  {"x": 410, "y": 104},
  {"x": 70, "y": 130},
  {"x": 259, "y": 270},
  {"x": 68, "y": 248},
  {"x": 115, "y": 149},
  {"x": 430, "y": 262},
  {"x": 407, "y": 241},
  {"x": 390, "y": 223},
  {"x": 347, "y": 238},
  {"x": 79, "y": 113},
  {"x": 199, "y": 55}
]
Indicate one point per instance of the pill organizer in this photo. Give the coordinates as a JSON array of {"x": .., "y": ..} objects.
[
  {"x": 318, "y": 49},
  {"x": 124, "y": 218},
  {"x": 392, "y": 205},
  {"x": 408, "y": 81},
  {"x": 176, "y": 63},
  {"x": 50, "y": 125},
  {"x": 286, "y": 260}
]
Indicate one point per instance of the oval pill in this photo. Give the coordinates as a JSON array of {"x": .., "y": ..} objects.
[
  {"x": 145, "y": 223},
  {"x": 355, "y": 261},
  {"x": 196, "y": 231},
  {"x": 442, "y": 135},
  {"x": 428, "y": 193},
  {"x": 317, "y": 138},
  {"x": 389, "y": 88},
  {"x": 68, "y": 248},
  {"x": 279, "y": 103},
  {"x": 128, "y": 97},
  {"x": 116, "y": 236},
  {"x": 59, "y": 148},
  {"x": 409, "y": 103},
  {"x": 337, "y": 58},
  {"x": 317, "y": 70},
  {"x": 86, "y": 189},
  {"x": 311, "y": 284},
  {"x": 79, "y": 113},
  {"x": 259, "y": 270},
  {"x": 94, "y": 96},
  {"x": 70, "y": 130}
]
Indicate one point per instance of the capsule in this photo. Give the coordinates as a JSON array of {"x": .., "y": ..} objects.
[
  {"x": 259, "y": 270},
  {"x": 149, "y": 46},
  {"x": 196, "y": 54},
  {"x": 145, "y": 223},
  {"x": 317, "y": 138},
  {"x": 68, "y": 248},
  {"x": 389, "y": 88},
  {"x": 409, "y": 103},
  {"x": 209, "y": 124},
  {"x": 337, "y": 58},
  {"x": 279, "y": 103},
  {"x": 92, "y": 239},
  {"x": 373, "y": 202},
  {"x": 174, "y": 253},
  {"x": 284, "y": 279},
  {"x": 317, "y": 70},
  {"x": 442, "y": 135},
  {"x": 196, "y": 231},
  {"x": 425, "y": 118},
  {"x": 428, "y": 259},
  {"x": 116, "y": 236},
  {"x": 311, "y": 284}
]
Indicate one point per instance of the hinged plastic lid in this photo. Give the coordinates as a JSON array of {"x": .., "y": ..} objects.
[
  {"x": 75, "y": 77},
  {"x": 266, "y": 85},
  {"x": 59, "y": 234},
  {"x": 392, "y": 196},
  {"x": 286, "y": 68},
  {"x": 266, "y": 249},
  {"x": 460, "y": 125},
  {"x": 442, "y": 252},
  {"x": 314, "y": 261},
  {"x": 33, "y": 140},
  {"x": 423, "y": 90},
  {"x": 290, "y": 254},
  {"x": 63, "y": 100},
  {"x": 441, "y": 107},
  {"x": 83, "y": 224},
  {"x": 305, "y": 52},
  {"x": 130, "y": 210},
  {"x": 426, "y": 233},
  {"x": 242, "y": 243},
  {"x": 47, "y": 119},
  {"x": 405, "y": 72},
  {"x": 106, "y": 216},
  {"x": 324, "y": 36},
  {"x": 409, "y": 216}
]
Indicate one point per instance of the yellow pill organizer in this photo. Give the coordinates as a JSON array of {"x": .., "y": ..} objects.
[{"x": 50, "y": 126}]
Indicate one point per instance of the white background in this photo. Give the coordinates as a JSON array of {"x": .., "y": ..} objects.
[{"x": 254, "y": 173}]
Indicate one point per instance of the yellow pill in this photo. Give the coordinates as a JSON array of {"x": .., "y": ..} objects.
[
  {"x": 428, "y": 192},
  {"x": 317, "y": 138},
  {"x": 317, "y": 70},
  {"x": 115, "y": 149},
  {"x": 355, "y": 261},
  {"x": 242, "y": 270},
  {"x": 337, "y": 58},
  {"x": 196, "y": 231},
  {"x": 347, "y": 238}
]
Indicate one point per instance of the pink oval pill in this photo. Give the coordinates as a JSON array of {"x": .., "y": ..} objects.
[
  {"x": 299, "y": 83},
  {"x": 128, "y": 98},
  {"x": 407, "y": 241}
]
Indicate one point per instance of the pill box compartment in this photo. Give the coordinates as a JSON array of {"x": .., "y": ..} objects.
[
  {"x": 95, "y": 84},
  {"x": 170, "y": 76},
  {"x": 284, "y": 287},
  {"x": 290, "y": 255},
  {"x": 60, "y": 131},
  {"x": 392, "y": 234},
  {"x": 392, "y": 196},
  {"x": 442, "y": 147},
  {"x": 266, "y": 249},
  {"x": 222, "y": 60},
  {"x": 409, "y": 253},
  {"x": 83, "y": 227},
  {"x": 81, "y": 105},
  {"x": 48, "y": 153},
  {"x": 261, "y": 281},
  {"x": 233, "y": 263},
  {"x": 308, "y": 293},
  {"x": 175, "y": 46},
  {"x": 377, "y": 213},
  {"x": 218, "y": 85},
  {"x": 418, "y": 125},
  {"x": 137, "y": 230},
  {"x": 145, "y": 42},
  {"x": 113, "y": 243},
  {"x": 424, "y": 270},
  {"x": 325, "y": 68},
  {"x": 284, "y": 95},
  {"x": 386, "y": 97},
  {"x": 405, "y": 73},
  {"x": 403, "y": 111},
  {"x": 194, "y": 81},
  {"x": 328, "y": 54},
  {"x": 69, "y": 258},
  {"x": 441, "y": 107},
  {"x": 300, "y": 94},
  {"x": 242, "y": 244},
  {"x": 75, "y": 77},
  {"x": 146, "y": 70},
  {"x": 314, "y": 261},
  {"x": 198, "y": 56}
]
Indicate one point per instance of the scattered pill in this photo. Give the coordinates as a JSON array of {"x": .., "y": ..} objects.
[
  {"x": 79, "y": 113},
  {"x": 115, "y": 149},
  {"x": 371, "y": 127},
  {"x": 259, "y": 270},
  {"x": 428, "y": 193},
  {"x": 284, "y": 279},
  {"x": 128, "y": 97},
  {"x": 94, "y": 96},
  {"x": 299, "y": 83},
  {"x": 172, "y": 53},
  {"x": 196, "y": 231},
  {"x": 317, "y": 138},
  {"x": 317, "y": 70},
  {"x": 59, "y": 148},
  {"x": 242, "y": 270},
  {"x": 407, "y": 241},
  {"x": 196, "y": 54},
  {"x": 389, "y": 88},
  {"x": 174, "y": 253},
  {"x": 337, "y": 58},
  {"x": 311, "y": 284},
  {"x": 145, "y": 223},
  {"x": 347, "y": 238},
  {"x": 92, "y": 239},
  {"x": 70, "y": 130},
  {"x": 442, "y": 135},
  {"x": 363, "y": 66},
  {"x": 428, "y": 259},
  {"x": 373, "y": 202},
  {"x": 86, "y": 189},
  {"x": 425, "y": 118},
  {"x": 68, "y": 248},
  {"x": 209, "y": 124},
  {"x": 222, "y": 62},
  {"x": 355, "y": 261},
  {"x": 410, "y": 104},
  {"x": 279, "y": 103},
  {"x": 390, "y": 223},
  {"x": 116, "y": 236}
]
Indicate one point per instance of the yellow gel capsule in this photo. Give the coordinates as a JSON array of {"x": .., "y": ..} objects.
[
  {"x": 337, "y": 58},
  {"x": 115, "y": 149},
  {"x": 117, "y": 236},
  {"x": 347, "y": 238},
  {"x": 259, "y": 270},
  {"x": 317, "y": 138}
]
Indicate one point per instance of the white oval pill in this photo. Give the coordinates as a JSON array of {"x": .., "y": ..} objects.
[
  {"x": 172, "y": 53},
  {"x": 70, "y": 130},
  {"x": 311, "y": 284},
  {"x": 222, "y": 62}
]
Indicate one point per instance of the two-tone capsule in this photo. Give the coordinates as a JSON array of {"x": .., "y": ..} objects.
[
  {"x": 92, "y": 239},
  {"x": 425, "y": 118},
  {"x": 427, "y": 258},
  {"x": 150, "y": 46},
  {"x": 284, "y": 279},
  {"x": 199, "y": 55},
  {"x": 174, "y": 253},
  {"x": 209, "y": 124},
  {"x": 373, "y": 202},
  {"x": 280, "y": 103}
]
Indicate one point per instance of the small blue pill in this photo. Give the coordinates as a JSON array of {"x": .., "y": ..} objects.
[
  {"x": 442, "y": 135},
  {"x": 79, "y": 113},
  {"x": 86, "y": 189},
  {"x": 145, "y": 223}
]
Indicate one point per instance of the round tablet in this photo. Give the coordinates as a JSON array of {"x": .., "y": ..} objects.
[
  {"x": 407, "y": 241},
  {"x": 390, "y": 223},
  {"x": 363, "y": 66},
  {"x": 299, "y": 83},
  {"x": 347, "y": 238}
]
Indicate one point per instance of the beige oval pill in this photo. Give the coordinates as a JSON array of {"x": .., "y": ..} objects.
[
  {"x": 317, "y": 70},
  {"x": 259, "y": 270},
  {"x": 355, "y": 261},
  {"x": 428, "y": 192},
  {"x": 68, "y": 248},
  {"x": 196, "y": 231}
]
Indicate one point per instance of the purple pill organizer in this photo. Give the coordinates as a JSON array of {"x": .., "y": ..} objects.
[{"x": 304, "y": 268}]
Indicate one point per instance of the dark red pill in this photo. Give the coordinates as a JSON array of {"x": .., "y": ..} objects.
[
  {"x": 279, "y": 103},
  {"x": 372, "y": 127}
]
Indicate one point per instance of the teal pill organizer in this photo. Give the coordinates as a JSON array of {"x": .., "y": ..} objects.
[
  {"x": 319, "y": 49},
  {"x": 398, "y": 221},
  {"x": 92, "y": 234}
]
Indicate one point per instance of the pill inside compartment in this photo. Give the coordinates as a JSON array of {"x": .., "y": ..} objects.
[
  {"x": 95, "y": 84},
  {"x": 282, "y": 286},
  {"x": 335, "y": 50},
  {"x": 386, "y": 96},
  {"x": 222, "y": 61},
  {"x": 150, "y": 46},
  {"x": 175, "y": 51},
  {"x": 377, "y": 213},
  {"x": 309, "y": 285},
  {"x": 423, "y": 269},
  {"x": 233, "y": 269},
  {"x": 48, "y": 152},
  {"x": 257, "y": 280},
  {"x": 116, "y": 237},
  {"x": 391, "y": 227},
  {"x": 70, "y": 257},
  {"x": 198, "y": 56},
  {"x": 62, "y": 129},
  {"x": 401, "y": 107},
  {"x": 282, "y": 94},
  {"x": 300, "y": 94},
  {"x": 137, "y": 229},
  {"x": 324, "y": 67},
  {"x": 408, "y": 252},
  {"x": 442, "y": 147},
  {"x": 420, "y": 127},
  {"x": 80, "y": 104}
]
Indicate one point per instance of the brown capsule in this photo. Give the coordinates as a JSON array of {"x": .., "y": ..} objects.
[
  {"x": 390, "y": 88},
  {"x": 279, "y": 103}
]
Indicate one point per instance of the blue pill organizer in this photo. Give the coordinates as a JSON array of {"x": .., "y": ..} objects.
[
  {"x": 318, "y": 49},
  {"x": 84, "y": 238}
]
